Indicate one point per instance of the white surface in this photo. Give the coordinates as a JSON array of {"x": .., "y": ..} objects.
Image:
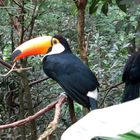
[{"x": 110, "y": 121}]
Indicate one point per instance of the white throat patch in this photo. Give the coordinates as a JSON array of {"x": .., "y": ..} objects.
[{"x": 56, "y": 49}]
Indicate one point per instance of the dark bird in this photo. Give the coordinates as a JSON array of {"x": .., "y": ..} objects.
[
  {"x": 60, "y": 64},
  {"x": 131, "y": 77}
]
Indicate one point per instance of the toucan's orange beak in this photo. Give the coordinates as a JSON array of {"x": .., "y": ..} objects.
[{"x": 39, "y": 45}]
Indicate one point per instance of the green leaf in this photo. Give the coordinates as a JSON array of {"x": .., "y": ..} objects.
[
  {"x": 131, "y": 136},
  {"x": 93, "y": 7},
  {"x": 121, "y": 5},
  {"x": 127, "y": 136},
  {"x": 105, "y": 8}
]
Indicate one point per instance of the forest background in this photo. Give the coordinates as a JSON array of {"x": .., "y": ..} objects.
[{"x": 109, "y": 30}]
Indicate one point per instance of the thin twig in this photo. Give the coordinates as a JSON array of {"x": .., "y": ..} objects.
[
  {"x": 34, "y": 15},
  {"x": 5, "y": 64},
  {"x": 6, "y": 8},
  {"x": 17, "y": 4},
  {"x": 22, "y": 16},
  {"x": 4, "y": 75},
  {"x": 12, "y": 69},
  {"x": 30, "y": 84},
  {"x": 22, "y": 69},
  {"x": 108, "y": 90},
  {"x": 38, "y": 81}
]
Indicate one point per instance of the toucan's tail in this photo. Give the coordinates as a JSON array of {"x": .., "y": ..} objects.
[{"x": 131, "y": 92}]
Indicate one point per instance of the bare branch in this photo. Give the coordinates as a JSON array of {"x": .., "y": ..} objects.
[
  {"x": 32, "y": 22},
  {"x": 7, "y": 65},
  {"x": 17, "y": 3},
  {"x": 71, "y": 110},
  {"x": 31, "y": 84},
  {"x": 4, "y": 75},
  {"x": 35, "y": 14},
  {"x": 22, "y": 16},
  {"x": 19, "y": 70},
  {"x": 12, "y": 69},
  {"x": 2, "y": 2},
  {"x": 53, "y": 125},
  {"x": 38, "y": 81},
  {"x": 114, "y": 86},
  {"x": 62, "y": 99},
  {"x": 108, "y": 90}
]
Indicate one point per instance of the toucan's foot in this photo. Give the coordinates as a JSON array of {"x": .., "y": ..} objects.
[{"x": 63, "y": 94}]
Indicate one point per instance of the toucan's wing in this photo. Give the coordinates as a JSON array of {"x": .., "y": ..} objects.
[
  {"x": 77, "y": 80},
  {"x": 72, "y": 75}
]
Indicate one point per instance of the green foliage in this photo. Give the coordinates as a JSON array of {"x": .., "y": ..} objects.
[
  {"x": 105, "y": 4},
  {"x": 128, "y": 136},
  {"x": 93, "y": 6},
  {"x": 121, "y": 5}
]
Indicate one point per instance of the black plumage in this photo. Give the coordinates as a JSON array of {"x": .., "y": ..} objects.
[
  {"x": 131, "y": 77},
  {"x": 71, "y": 74}
]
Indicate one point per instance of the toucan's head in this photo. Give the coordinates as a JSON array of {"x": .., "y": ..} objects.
[{"x": 48, "y": 45}]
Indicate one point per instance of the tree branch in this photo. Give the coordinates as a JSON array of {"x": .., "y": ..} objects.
[
  {"x": 111, "y": 87},
  {"x": 12, "y": 69},
  {"x": 7, "y": 65},
  {"x": 71, "y": 110},
  {"x": 32, "y": 22},
  {"x": 53, "y": 125},
  {"x": 22, "y": 16},
  {"x": 17, "y": 4},
  {"x": 31, "y": 84},
  {"x": 108, "y": 90},
  {"x": 62, "y": 99},
  {"x": 38, "y": 81},
  {"x": 3, "y": 75}
]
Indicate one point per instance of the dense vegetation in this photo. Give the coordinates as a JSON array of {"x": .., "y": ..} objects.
[{"x": 108, "y": 30}]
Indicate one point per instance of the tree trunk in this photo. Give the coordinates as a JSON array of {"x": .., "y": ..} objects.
[
  {"x": 81, "y": 37},
  {"x": 81, "y": 5},
  {"x": 22, "y": 128},
  {"x": 26, "y": 89}
]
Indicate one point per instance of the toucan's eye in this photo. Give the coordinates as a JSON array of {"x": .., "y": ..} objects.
[{"x": 54, "y": 41}]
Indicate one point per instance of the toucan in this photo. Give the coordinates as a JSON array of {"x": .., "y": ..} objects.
[
  {"x": 131, "y": 77},
  {"x": 60, "y": 64}
]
